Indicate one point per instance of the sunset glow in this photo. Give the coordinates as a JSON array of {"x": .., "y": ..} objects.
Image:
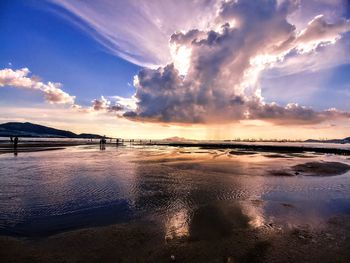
[{"x": 207, "y": 70}]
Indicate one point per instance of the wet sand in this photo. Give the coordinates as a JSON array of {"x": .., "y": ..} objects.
[
  {"x": 213, "y": 241},
  {"x": 240, "y": 149},
  {"x": 39, "y": 146},
  {"x": 277, "y": 147},
  {"x": 156, "y": 204},
  {"x": 322, "y": 168}
]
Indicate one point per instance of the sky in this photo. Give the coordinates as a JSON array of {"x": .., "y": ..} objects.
[{"x": 204, "y": 69}]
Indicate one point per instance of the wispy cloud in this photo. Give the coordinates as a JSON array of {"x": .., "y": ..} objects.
[
  {"x": 138, "y": 31},
  {"x": 20, "y": 79}
]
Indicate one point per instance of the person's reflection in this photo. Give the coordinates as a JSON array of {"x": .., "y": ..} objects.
[
  {"x": 15, "y": 145},
  {"x": 103, "y": 143},
  {"x": 102, "y": 146}
]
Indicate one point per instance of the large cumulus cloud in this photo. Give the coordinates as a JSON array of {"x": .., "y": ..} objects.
[{"x": 224, "y": 62}]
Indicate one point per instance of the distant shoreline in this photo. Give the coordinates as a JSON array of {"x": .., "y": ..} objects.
[
  {"x": 29, "y": 146},
  {"x": 265, "y": 148}
]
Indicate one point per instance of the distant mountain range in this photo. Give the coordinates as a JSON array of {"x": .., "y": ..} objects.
[
  {"x": 27, "y": 129},
  {"x": 175, "y": 139},
  {"x": 342, "y": 141}
]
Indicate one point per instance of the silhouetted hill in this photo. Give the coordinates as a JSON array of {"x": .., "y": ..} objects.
[
  {"x": 27, "y": 129},
  {"x": 89, "y": 136}
]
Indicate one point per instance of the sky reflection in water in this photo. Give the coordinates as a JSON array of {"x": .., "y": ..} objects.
[{"x": 194, "y": 193}]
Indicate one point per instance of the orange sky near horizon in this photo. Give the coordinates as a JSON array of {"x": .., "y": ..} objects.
[{"x": 104, "y": 124}]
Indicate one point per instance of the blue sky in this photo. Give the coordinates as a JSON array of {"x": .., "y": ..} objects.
[
  {"x": 54, "y": 49},
  {"x": 149, "y": 65},
  {"x": 327, "y": 88}
]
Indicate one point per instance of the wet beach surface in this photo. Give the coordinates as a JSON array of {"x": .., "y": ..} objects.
[{"x": 147, "y": 203}]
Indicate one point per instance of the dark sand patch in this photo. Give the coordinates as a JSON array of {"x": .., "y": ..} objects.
[
  {"x": 287, "y": 205},
  {"x": 321, "y": 168},
  {"x": 302, "y": 155},
  {"x": 281, "y": 173},
  {"x": 242, "y": 152},
  {"x": 143, "y": 242},
  {"x": 276, "y": 156}
]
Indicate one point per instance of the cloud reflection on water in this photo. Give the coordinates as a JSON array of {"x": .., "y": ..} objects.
[{"x": 194, "y": 195}]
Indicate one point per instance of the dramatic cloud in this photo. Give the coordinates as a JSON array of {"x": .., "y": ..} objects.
[
  {"x": 210, "y": 54},
  {"x": 324, "y": 58},
  {"x": 319, "y": 31},
  {"x": 19, "y": 79},
  {"x": 223, "y": 65}
]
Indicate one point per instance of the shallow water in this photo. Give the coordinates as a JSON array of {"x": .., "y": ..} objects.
[{"x": 193, "y": 193}]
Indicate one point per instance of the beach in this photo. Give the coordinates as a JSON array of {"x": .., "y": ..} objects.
[
  {"x": 175, "y": 131},
  {"x": 161, "y": 203}
]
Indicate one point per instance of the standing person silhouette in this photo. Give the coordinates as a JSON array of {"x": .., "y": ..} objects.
[{"x": 15, "y": 144}]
